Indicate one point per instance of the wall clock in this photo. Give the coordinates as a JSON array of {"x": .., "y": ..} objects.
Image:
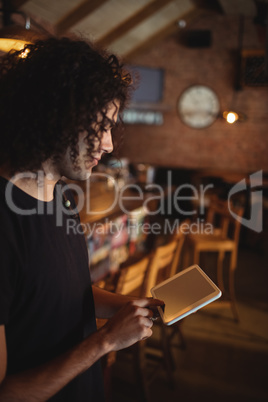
[{"x": 198, "y": 106}]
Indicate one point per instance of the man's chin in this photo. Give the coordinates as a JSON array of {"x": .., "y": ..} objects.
[
  {"x": 85, "y": 176},
  {"x": 81, "y": 176}
]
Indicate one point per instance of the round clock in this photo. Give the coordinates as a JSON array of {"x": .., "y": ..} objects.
[{"x": 198, "y": 106}]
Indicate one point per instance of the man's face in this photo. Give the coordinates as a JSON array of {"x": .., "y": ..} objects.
[{"x": 85, "y": 163}]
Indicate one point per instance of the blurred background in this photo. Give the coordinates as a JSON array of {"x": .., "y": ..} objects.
[{"x": 192, "y": 63}]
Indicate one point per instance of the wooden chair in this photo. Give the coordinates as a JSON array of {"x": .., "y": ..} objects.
[
  {"x": 164, "y": 264},
  {"x": 137, "y": 279},
  {"x": 132, "y": 281},
  {"x": 223, "y": 239},
  {"x": 131, "y": 278}
]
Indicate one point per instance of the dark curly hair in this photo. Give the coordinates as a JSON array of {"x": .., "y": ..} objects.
[{"x": 47, "y": 98}]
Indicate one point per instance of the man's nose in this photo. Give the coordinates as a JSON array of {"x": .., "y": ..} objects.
[{"x": 107, "y": 142}]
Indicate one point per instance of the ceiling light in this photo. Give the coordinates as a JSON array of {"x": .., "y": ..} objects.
[{"x": 15, "y": 38}]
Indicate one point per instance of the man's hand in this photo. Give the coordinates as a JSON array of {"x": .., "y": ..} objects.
[{"x": 132, "y": 323}]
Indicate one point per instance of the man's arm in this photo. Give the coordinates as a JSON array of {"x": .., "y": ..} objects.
[
  {"x": 107, "y": 303},
  {"x": 131, "y": 324},
  {"x": 40, "y": 383}
]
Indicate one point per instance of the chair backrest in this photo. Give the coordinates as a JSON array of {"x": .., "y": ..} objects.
[
  {"x": 165, "y": 261},
  {"x": 235, "y": 224},
  {"x": 132, "y": 278},
  {"x": 140, "y": 276},
  {"x": 219, "y": 214},
  {"x": 179, "y": 237}
]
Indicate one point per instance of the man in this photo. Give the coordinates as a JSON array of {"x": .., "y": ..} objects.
[{"x": 58, "y": 106}]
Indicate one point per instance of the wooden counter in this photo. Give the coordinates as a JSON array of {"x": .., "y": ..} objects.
[{"x": 101, "y": 202}]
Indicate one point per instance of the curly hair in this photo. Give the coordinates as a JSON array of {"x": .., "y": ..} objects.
[{"x": 61, "y": 88}]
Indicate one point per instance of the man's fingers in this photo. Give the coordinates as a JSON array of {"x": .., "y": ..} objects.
[
  {"x": 148, "y": 302},
  {"x": 147, "y": 322},
  {"x": 148, "y": 307}
]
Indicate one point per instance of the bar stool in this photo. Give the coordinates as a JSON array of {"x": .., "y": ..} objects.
[{"x": 223, "y": 239}]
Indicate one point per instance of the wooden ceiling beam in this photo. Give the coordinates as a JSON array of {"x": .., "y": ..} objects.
[
  {"x": 171, "y": 29},
  {"x": 18, "y": 3},
  {"x": 76, "y": 14},
  {"x": 132, "y": 21}
]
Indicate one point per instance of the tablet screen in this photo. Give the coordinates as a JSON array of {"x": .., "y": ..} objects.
[{"x": 185, "y": 292}]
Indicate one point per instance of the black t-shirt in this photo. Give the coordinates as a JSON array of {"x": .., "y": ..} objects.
[{"x": 46, "y": 301}]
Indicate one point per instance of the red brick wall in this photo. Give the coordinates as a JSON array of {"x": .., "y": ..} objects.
[{"x": 239, "y": 147}]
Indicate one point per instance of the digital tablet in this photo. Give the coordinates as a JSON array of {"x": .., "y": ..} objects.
[{"x": 185, "y": 293}]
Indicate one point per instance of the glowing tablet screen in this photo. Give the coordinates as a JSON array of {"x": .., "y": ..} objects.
[{"x": 184, "y": 293}]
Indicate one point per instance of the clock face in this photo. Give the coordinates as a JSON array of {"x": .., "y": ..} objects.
[{"x": 198, "y": 106}]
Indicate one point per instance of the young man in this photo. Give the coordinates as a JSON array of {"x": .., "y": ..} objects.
[{"x": 58, "y": 106}]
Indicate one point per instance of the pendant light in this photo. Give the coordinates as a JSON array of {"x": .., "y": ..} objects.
[{"x": 15, "y": 37}]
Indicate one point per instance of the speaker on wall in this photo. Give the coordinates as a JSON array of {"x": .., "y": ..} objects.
[
  {"x": 254, "y": 68},
  {"x": 196, "y": 38}
]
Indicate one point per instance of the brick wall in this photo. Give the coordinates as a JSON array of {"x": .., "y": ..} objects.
[{"x": 240, "y": 147}]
